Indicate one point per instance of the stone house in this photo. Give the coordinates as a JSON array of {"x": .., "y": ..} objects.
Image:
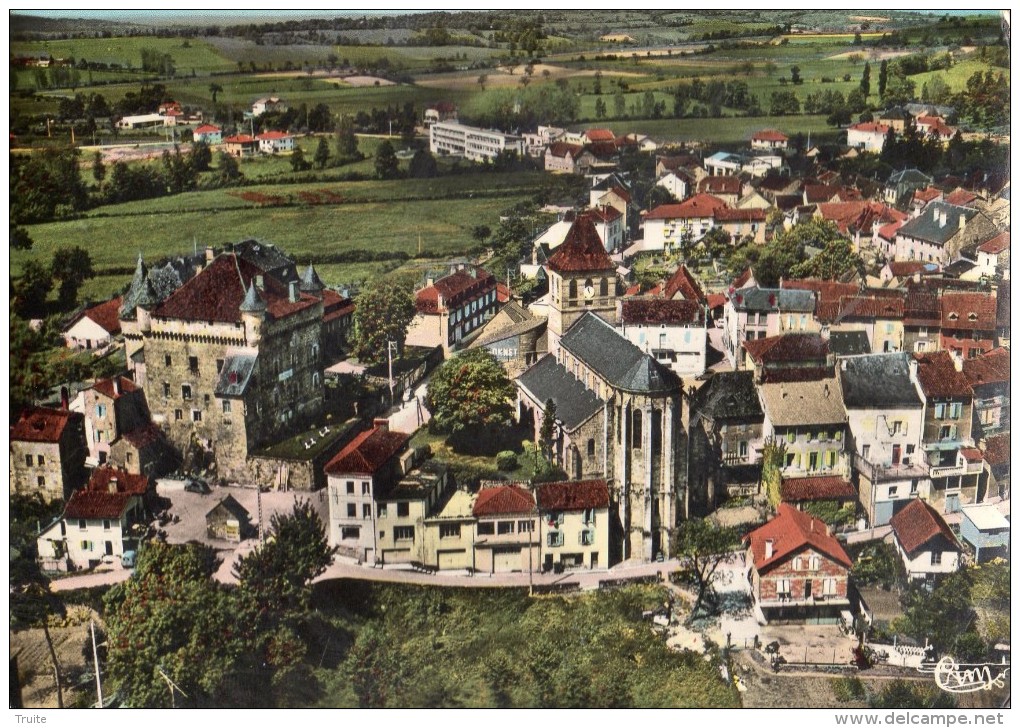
[
  {"x": 228, "y": 521},
  {"x": 968, "y": 323},
  {"x": 574, "y": 524},
  {"x": 452, "y": 309},
  {"x": 755, "y": 313},
  {"x": 989, "y": 378},
  {"x": 797, "y": 569},
  {"x": 515, "y": 337},
  {"x": 674, "y": 332},
  {"x": 934, "y": 236},
  {"x": 808, "y": 418},
  {"x": 48, "y": 452},
  {"x": 111, "y": 407}
]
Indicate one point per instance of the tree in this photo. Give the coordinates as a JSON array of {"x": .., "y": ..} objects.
[
  {"x": 382, "y": 314},
  {"x": 387, "y": 166},
  {"x": 600, "y": 109},
  {"x": 941, "y": 615},
  {"x": 20, "y": 239},
  {"x": 322, "y": 153},
  {"x": 98, "y": 167},
  {"x": 481, "y": 233},
  {"x": 32, "y": 289},
  {"x": 178, "y": 171},
  {"x": 547, "y": 433},
  {"x": 470, "y": 397},
  {"x": 795, "y": 75},
  {"x": 659, "y": 195},
  {"x": 866, "y": 80},
  {"x": 346, "y": 140},
  {"x": 228, "y": 167},
  {"x": 423, "y": 165},
  {"x": 836, "y": 259},
  {"x": 72, "y": 266},
  {"x": 619, "y": 105},
  {"x": 482, "y": 78},
  {"x": 214, "y": 88},
  {"x": 171, "y": 620},
  {"x": 200, "y": 157},
  {"x": 784, "y": 103},
  {"x": 702, "y": 545},
  {"x": 297, "y": 160},
  {"x": 883, "y": 78}
]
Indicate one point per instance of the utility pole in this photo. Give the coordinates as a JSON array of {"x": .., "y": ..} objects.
[
  {"x": 390, "y": 345},
  {"x": 172, "y": 685},
  {"x": 95, "y": 659}
]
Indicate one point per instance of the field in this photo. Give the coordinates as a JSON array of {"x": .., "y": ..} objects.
[{"x": 189, "y": 55}]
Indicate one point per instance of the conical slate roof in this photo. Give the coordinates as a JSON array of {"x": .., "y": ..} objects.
[
  {"x": 253, "y": 302},
  {"x": 582, "y": 250},
  {"x": 310, "y": 281},
  {"x": 127, "y": 308},
  {"x": 147, "y": 297}
]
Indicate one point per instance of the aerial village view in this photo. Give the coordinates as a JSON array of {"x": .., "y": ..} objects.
[{"x": 510, "y": 359}]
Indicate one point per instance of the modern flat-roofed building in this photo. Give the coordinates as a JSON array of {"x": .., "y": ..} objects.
[{"x": 452, "y": 138}]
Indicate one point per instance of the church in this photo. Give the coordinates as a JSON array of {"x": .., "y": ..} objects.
[{"x": 617, "y": 409}]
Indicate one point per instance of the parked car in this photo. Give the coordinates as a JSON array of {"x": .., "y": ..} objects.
[
  {"x": 128, "y": 560},
  {"x": 197, "y": 485}
]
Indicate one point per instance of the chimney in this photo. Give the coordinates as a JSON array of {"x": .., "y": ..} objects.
[
  {"x": 768, "y": 548},
  {"x": 942, "y": 219},
  {"x": 113, "y": 485},
  {"x": 116, "y": 385},
  {"x": 292, "y": 291},
  {"x": 65, "y": 398},
  {"x": 429, "y": 282},
  {"x": 382, "y": 424},
  {"x": 957, "y": 360},
  {"x": 259, "y": 281},
  {"x": 963, "y": 222},
  {"x": 935, "y": 213},
  {"x": 210, "y": 253},
  {"x": 912, "y": 365}
]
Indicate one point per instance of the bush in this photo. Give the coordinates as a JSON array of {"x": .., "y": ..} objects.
[
  {"x": 847, "y": 688},
  {"x": 506, "y": 460}
]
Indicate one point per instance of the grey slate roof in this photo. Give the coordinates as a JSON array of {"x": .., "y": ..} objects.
[
  {"x": 877, "y": 381},
  {"x": 150, "y": 287},
  {"x": 729, "y": 395},
  {"x": 236, "y": 372},
  {"x": 310, "y": 281},
  {"x": 548, "y": 379},
  {"x": 267, "y": 258},
  {"x": 618, "y": 361},
  {"x": 849, "y": 343},
  {"x": 910, "y": 176},
  {"x": 927, "y": 227},
  {"x": 773, "y": 299}
]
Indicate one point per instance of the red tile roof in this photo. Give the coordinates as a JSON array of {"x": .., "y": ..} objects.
[
  {"x": 124, "y": 482},
  {"x": 503, "y": 293},
  {"x": 274, "y": 135},
  {"x": 992, "y": 367},
  {"x": 903, "y": 268},
  {"x": 828, "y": 487},
  {"x": 461, "y": 285},
  {"x": 870, "y": 126},
  {"x": 720, "y": 185},
  {"x": 684, "y": 283},
  {"x": 743, "y": 278},
  {"x": 972, "y": 311},
  {"x": 605, "y": 214},
  {"x": 770, "y": 135},
  {"x": 42, "y": 424},
  {"x": 368, "y": 452},
  {"x": 699, "y": 206},
  {"x": 938, "y": 376},
  {"x": 240, "y": 139},
  {"x": 997, "y": 449},
  {"x": 973, "y": 455},
  {"x": 961, "y": 197},
  {"x": 928, "y": 194},
  {"x": 107, "y": 494},
  {"x": 888, "y": 232},
  {"x": 106, "y": 315},
  {"x": 791, "y": 532},
  {"x": 335, "y": 306},
  {"x": 917, "y": 524},
  {"x": 105, "y": 386},
  {"x": 621, "y": 193},
  {"x": 582, "y": 249},
  {"x": 661, "y": 311},
  {"x": 996, "y": 245},
  {"x": 573, "y": 495},
  {"x": 820, "y": 193},
  {"x": 789, "y": 348},
  {"x": 715, "y": 300},
  {"x": 600, "y": 135},
  {"x": 859, "y": 214},
  {"x": 207, "y": 129},
  {"x": 562, "y": 149},
  {"x": 216, "y": 293},
  {"x": 871, "y": 307},
  {"x": 142, "y": 437},
  {"x": 825, "y": 291},
  {"x": 725, "y": 215},
  {"x": 502, "y": 500}
]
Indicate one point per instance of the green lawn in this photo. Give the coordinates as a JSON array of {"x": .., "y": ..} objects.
[{"x": 188, "y": 54}]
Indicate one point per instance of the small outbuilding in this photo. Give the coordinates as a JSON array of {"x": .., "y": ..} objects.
[{"x": 228, "y": 521}]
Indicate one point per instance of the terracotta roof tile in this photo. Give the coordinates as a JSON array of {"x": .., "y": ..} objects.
[
  {"x": 562, "y": 149},
  {"x": 600, "y": 135},
  {"x": 125, "y": 482},
  {"x": 106, "y": 315},
  {"x": 961, "y": 197},
  {"x": 788, "y": 348},
  {"x": 582, "y": 249},
  {"x": 828, "y": 487},
  {"x": 996, "y": 245},
  {"x": 106, "y": 495},
  {"x": 938, "y": 376},
  {"x": 699, "y": 206},
  {"x": 792, "y": 531},
  {"x": 827, "y": 291},
  {"x": 968, "y": 311},
  {"x": 42, "y": 424},
  {"x": 720, "y": 185},
  {"x": 142, "y": 437},
  {"x": 997, "y": 449},
  {"x": 769, "y": 135},
  {"x": 725, "y": 214},
  {"x": 574, "y": 495},
  {"x": 661, "y": 311},
  {"x": 368, "y": 452},
  {"x": 455, "y": 288},
  {"x": 917, "y": 524},
  {"x": 105, "y": 386},
  {"x": 684, "y": 283},
  {"x": 992, "y": 367},
  {"x": 500, "y": 500}
]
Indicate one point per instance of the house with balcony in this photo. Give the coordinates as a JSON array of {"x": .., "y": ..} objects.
[
  {"x": 450, "y": 311},
  {"x": 797, "y": 569},
  {"x": 986, "y": 528},
  {"x": 955, "y": 465},
  {"x": 506, "y": 537},
  {"x": 924, "y": 542},
  {"x": 574, "y": 524},
  {"x": 807, "y": 418},
  {"x": 97, "y": 522},
  {"x": 988, "y": 375},
  {"x": 726, "y": 438},
  {"x": 756, "y": 313},
  {"x": 366, "y": 467},
  {"x": 241, "y": 145},
  {"x": 272, "y": 142},
  {"x": 885, "y": 413},
  {"x": 670, "y": 226}
]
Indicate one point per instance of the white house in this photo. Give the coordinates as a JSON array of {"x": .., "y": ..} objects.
[
  {"x": 673, "y": 332},
  {"x": 96, "y": 327},
  {"x": 885, "y": 411},
  {"x": 271, "y": 142},
  {"x": 924, "y": 541},
  {"x": 769, "y": 140},
  {"x": 141, "y": 121},
  {"x": 452, "y": 138},
  {"x": 268, "y": 104},
  {"x": 723, "y": 163},
  {"x": 609, "y": 225},
  {"x": 677, "y": 184},
  {"x": 574, "y": 524},
  {"x": 97, "y": 522},
  {"x": 666, "y": 226},
  {"x": 993, "y": 254},
  {"x": 867, "y": 136}
]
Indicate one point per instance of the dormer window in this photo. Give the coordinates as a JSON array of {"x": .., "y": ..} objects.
[
  {"x": 972, "y": 317},
  {"x": 953, "y": 316}
]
